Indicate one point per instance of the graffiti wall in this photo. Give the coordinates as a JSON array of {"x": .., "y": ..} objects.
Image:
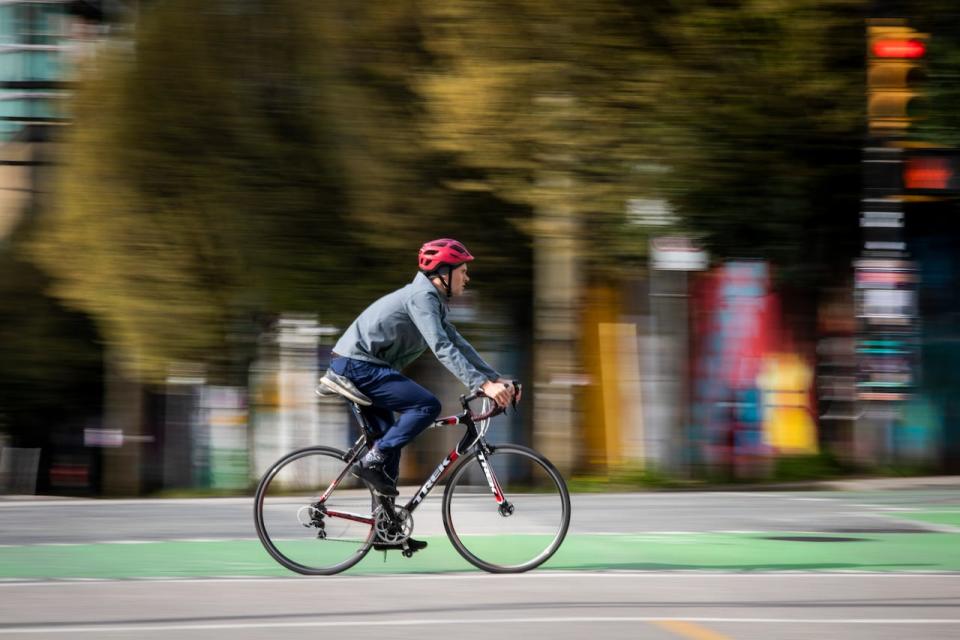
[{"x": 752, "y": 392}]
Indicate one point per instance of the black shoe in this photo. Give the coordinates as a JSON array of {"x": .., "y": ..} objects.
[
  {"x": 375, "y": 477},
  {"x": 412, "y": 545}
]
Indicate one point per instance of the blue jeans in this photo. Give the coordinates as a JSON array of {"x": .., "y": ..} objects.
[{"x": 390, "y": 392}]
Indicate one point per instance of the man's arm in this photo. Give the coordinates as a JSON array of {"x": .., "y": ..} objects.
[
  {"x": 469, "y": 352},
  {"x": 502, "y": 391},
  {"x": 425, "y": 312}
]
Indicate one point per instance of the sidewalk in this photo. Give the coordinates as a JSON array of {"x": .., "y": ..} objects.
[
  {"x": 851, "y": 484},
  {"x": 886, "y": 484},
  {"x": 845, "y": 484}
]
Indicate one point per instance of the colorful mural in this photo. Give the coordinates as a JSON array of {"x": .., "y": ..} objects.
[{"x": 752, "y": 394}]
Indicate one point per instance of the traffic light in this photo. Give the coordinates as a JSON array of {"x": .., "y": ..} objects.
[
  {"x": 896, "y": 67},
  {"x": 931, "y": 172}
]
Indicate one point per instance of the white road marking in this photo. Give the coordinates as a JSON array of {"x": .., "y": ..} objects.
[
  {"x": 93, "y": 542},
  {"x": 106, "y": 628},
  {"x": 472, "y": 575}
]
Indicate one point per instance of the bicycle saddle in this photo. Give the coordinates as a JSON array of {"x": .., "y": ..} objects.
[{"x": 334, "y": 384}]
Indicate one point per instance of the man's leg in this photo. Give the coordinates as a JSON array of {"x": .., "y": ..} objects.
[
  {"x": 382, "y": 420},
  {"x": 391, "y": 391},
  {"x": 418, "y": 408}
]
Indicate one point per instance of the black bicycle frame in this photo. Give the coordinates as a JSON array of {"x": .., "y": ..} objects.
[{"x": 366, "y": 440}]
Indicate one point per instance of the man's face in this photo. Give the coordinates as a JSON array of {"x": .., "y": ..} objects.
[{"x": 459, "y": 280}]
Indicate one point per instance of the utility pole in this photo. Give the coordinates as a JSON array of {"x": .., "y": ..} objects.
[{"x": 887, "y": 341}]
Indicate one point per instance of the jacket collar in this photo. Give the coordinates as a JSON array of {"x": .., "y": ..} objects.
[{"x": 423, "y": 283}]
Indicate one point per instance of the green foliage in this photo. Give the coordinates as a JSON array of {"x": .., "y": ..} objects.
[
  {"x": 397, "y": 189},
  {"x": 625, "y": 477},
  {"x": 239, "y": 160},
  {"x": 50, "y": 367},
  {"x": 821, "y": 466},
  {"x": 191, "y": 190},
  {"x": 938, "y": 122},
  {"x": 746, "y": 116},
  {"x": 547, "y": 101},
  {"x": 763, "y": 127}
]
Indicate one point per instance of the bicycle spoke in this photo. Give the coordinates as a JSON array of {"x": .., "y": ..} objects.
[
  {"x": 297, "y": 529},
  {"x": 526, "y": 521}
]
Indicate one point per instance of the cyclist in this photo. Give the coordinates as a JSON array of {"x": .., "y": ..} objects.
[{"x": 393, "y": 332}]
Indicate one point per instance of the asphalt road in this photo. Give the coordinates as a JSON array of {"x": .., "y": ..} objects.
[
  {"x": 894, "y": 588},
  {"x": 544, "y": 604},
  {"x": 76, "y": 521}
]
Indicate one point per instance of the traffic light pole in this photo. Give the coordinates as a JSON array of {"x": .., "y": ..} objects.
[{"x": 885, "y": 277}]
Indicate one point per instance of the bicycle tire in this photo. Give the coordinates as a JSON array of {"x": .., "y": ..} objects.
[
  {"x": 541, "y": 516},
  {"x": 284, "y": 498}
]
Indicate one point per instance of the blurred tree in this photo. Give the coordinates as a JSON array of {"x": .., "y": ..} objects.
[
  {"x": 397, "y": 187},
  {"x": 243, "y": 159},
  {"x": 246, "y": 158},
  {"x": 939, "y": 121},
  {"x": 51, "y": 374},
  {"x": 50, "y": 360},
  {"x": 746, "y": 116},
  {"x": 763, "y": 128},
  {"x": 194, "y": 187},
  {"x": 548, "y": 101}
]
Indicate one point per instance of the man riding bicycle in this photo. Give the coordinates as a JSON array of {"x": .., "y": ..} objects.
[{"x": 389, "y": 335}]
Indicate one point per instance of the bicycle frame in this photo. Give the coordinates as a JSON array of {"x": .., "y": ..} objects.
[{"x": 472, "y": 440}]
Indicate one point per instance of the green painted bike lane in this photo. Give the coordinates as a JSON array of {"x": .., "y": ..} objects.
[{"x": 738, "y": 552}]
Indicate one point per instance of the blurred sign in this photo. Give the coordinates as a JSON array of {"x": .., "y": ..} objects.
[
  {"x": 677, "y": 253},
  {"x": 885, "y": 290},
  {"x": 651, "y": 212},
  {"x": 227, "y": 436},
  {"x": 887, "y": 349},
  {"x": 103, "y": 438}
]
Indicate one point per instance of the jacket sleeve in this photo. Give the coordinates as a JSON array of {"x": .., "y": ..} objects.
[
  {"x": 469, "y": 352},
  {"x": 426, "y": 313}
]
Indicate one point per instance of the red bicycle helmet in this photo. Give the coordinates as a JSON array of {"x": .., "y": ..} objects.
[{"x": 445, "y": 251}]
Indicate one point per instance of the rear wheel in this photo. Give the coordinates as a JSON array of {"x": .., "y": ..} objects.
[
  {"x": 301, "y": 532},
  {"x": 506, "y": 512}
]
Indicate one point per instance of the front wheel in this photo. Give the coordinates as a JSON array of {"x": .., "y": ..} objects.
[
  {"x": 507, "y": 511},
  {"x": 301, "y": 530}
]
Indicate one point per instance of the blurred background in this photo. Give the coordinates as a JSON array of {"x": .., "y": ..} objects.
[{"x": 717, "y": 240}]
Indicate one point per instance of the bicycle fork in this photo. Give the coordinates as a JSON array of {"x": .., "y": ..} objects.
[{"x": 505, "y": 507}]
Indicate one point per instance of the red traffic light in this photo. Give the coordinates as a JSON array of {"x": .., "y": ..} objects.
[
  {"x": 931, "y": 172},
  {"x": 899, "y": 48},
  {"x": 927, "y": 173}
]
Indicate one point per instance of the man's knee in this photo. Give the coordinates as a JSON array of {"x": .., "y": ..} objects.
[{"x": 430, "y": 407}]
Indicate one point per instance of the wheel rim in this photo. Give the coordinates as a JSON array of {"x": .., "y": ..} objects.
[
  {"x": 537, "y": 511},
  {"x": 290, "y": 519}
]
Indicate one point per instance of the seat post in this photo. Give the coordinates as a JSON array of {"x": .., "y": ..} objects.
[{"x": 362, "y": 421}]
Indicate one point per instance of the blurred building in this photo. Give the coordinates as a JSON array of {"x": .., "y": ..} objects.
[
  {"x": 34, "y": 43},
  {"x": 41, "y": 44}
]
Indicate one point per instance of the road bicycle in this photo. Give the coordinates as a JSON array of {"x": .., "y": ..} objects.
[{"x": 506, "y": 508}]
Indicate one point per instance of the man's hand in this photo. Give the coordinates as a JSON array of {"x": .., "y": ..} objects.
[{"x": 500, "y": 391}]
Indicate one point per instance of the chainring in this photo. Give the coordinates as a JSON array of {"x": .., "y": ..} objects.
[{"x": 388, "y": 531}]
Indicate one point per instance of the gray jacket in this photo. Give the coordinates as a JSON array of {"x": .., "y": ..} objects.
[{"x": 397, "y": 328}]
